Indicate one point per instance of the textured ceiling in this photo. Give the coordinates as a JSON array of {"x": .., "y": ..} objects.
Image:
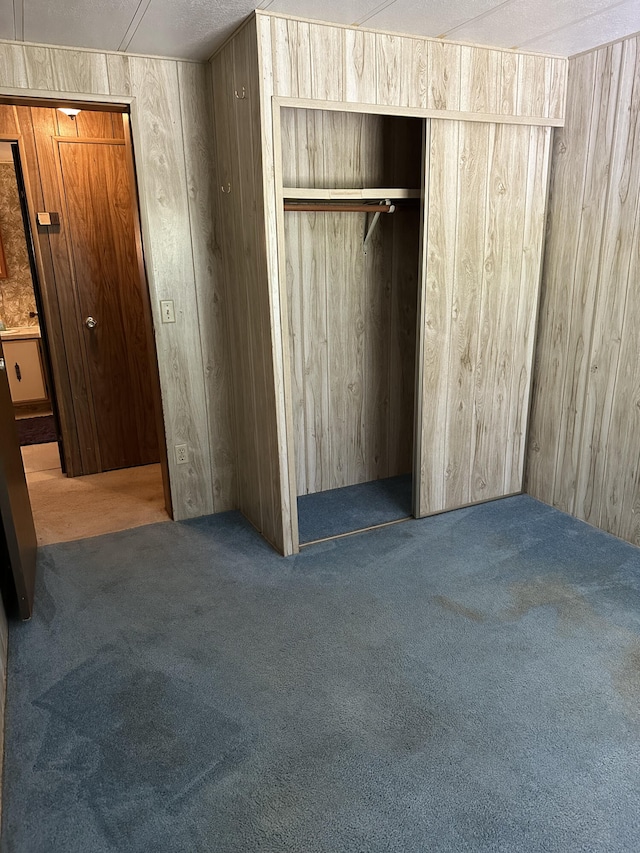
[{"x": 192, "y": 29}]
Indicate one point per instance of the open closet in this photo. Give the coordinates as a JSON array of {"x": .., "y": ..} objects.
[
  {"x": 352, "y": 184},
  {"x": 381, "y": 206}
]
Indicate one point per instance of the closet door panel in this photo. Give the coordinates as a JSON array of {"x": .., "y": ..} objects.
[
  {"x": 468, "y": 267},
  {"x": 485, "y": 223}
]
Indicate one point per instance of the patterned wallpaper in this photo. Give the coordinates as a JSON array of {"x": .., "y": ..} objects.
[{"x": 16, "y": 292}]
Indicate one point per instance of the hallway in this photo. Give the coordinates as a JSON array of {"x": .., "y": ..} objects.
[{"x": 66, "y": 508}]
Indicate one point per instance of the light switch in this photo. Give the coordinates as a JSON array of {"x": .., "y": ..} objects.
[
  {"x": 167, "y": 312},
  {"x": 48, "y": 218}
]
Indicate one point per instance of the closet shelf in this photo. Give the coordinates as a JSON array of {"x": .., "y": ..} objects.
[{"x": 376, "y": 193}]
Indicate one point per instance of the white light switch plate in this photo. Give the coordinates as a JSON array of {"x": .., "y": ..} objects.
[{"x": 167, "y": 311}]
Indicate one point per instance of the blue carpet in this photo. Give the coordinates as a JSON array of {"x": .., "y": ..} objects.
[
  {"x": 350, "y": 508},
  {"x": 468, "y": 682}
]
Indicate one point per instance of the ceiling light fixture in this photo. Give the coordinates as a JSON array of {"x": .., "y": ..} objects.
[{"x": 68, "y": 111}]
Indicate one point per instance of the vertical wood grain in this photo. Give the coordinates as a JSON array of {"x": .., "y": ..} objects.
[
  {"x": 587, "y": 385},
  {"x": 291, "y": 58},
  {"x": 414, "y": 72},
  {"x": 210, "y": 292},
  {"x": 444, "y": 61},
  {"x": 118, "y": 74},
  {"x": 360, "y": 67},
  {"x": 480, "y": 79},
  {"x": 13, "y": 68},
  {"x": 585, "y": 415},
  {"x": 272, "y": 234},
  {"x": 326, "y": 51},
  {"x": 256, "y": 343},
  {"x": 390, "y": 68},
  {"x": 619, "y": 505},
  {"x": 165, "y": 217},
  {"x": 473, "y": 155},
  {"x": 534, "y": 196},
  {"x": 549, "y": 417},
  {"x": 485, "y": 223},
  {"x": 440, "y": 240},
  {"x": 532, "y": 83},
  {"x": 508, "y": 91}
]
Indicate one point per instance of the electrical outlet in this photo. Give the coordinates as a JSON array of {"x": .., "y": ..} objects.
[
  {"x": 167, "y": 311},
  {"x": 181, "y": 454}
]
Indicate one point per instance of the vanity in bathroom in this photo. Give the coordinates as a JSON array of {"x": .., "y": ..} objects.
[{"x": 23, "y": 358}]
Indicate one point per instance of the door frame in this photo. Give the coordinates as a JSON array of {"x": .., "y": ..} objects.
[{"x": 125, "y": 105}]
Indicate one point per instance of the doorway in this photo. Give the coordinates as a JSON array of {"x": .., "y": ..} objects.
[{"x": 82, "y": 307}]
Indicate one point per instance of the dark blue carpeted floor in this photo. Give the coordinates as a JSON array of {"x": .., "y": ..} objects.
[
  {"x": 338, "y": 511},
  {"x": 468, "y": 682}
]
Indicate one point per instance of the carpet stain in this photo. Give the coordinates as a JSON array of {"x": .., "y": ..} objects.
[
  {"x": 455, "y": 607},
  {"x": 626, "y": 679},
  {"x": 138, "y": 737},
  {"x": 572, "y": 609}
]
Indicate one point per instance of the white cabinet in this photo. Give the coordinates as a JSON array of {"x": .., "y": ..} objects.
[{"x": 24, "y": 369}]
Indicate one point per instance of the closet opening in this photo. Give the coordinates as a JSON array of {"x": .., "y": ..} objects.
[{"x": 351, "y": 189}]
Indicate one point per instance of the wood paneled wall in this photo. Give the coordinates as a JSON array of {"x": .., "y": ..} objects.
[
  {"x": 485, "y": 215},
  {"x": 328, "y": 62},
  {"x": 352, "y": 313},
  {"x": 583, "y": 454},
  {"x": 171, "y": 119},
  {"x": 242, "y": 248}
]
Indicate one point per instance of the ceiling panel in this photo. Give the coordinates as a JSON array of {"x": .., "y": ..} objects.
[
  {"x": 188, "y": 28},
  {"x": 194, "y": 28},
  {"x": 428, "y": 19},
  {"x": 345, "y": 12},
  {"x": 612, "y": 24},
  {"x": 519, "y": 20},
  {"x": 6, "y": 20},
  {"x": 81, "y": 23}
]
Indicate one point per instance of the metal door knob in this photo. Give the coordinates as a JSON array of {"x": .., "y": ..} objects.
[{"x": 90, "y": 323}]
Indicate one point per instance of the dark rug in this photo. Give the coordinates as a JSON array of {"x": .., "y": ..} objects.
[
  {"x": 467, "y": 683},
  {"x": 37, "y": 430},
  {"x": 337, "y": 511}
]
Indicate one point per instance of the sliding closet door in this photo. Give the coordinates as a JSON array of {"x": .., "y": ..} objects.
[{"x": 484, "y": 224}]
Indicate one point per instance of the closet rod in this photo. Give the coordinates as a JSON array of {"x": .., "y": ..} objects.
[{"x": 337, "y": 206}]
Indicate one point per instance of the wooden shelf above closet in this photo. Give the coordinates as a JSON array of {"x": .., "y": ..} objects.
[{"x": 373, "y": 193}]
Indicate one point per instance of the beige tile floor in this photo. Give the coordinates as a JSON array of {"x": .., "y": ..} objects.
[{"x": 66, "y": 508}]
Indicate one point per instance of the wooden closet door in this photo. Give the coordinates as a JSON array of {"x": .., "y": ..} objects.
[
  {"x": 98, "y": 196},
  {"x": 484, "y": 226}
]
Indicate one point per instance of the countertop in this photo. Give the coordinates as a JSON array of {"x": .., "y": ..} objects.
[{"x": 21, "y": 333}]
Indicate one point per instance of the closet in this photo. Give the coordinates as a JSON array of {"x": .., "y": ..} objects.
[
  {"x": 352, "y": 185},
  {"x": 381, "y": 204}
]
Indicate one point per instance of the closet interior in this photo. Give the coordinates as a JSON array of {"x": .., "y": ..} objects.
[{"x": 352, "y": 184}]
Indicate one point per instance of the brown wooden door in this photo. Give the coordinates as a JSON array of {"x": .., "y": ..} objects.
[
  {"x": 97, "y": 192},
  {"x": 17, "y": 533}
]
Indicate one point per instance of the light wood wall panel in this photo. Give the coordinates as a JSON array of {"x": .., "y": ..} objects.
[
  {"x": 485, "y": 225},
  {"x": 242, "y": 248},
  {"x": 171, "y": 123},
  {"x": 352, "y": 313},
  {"x": 328, "y": 62},
  {"x": 585, "y": 431}
]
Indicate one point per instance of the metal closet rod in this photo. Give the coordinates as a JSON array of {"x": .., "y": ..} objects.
[{"x": 338, "y": 206}]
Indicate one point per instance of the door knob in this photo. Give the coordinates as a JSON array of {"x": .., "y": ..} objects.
[
  {"x": 90, "y": 323},
  {"x": 2, "y": 364}
]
